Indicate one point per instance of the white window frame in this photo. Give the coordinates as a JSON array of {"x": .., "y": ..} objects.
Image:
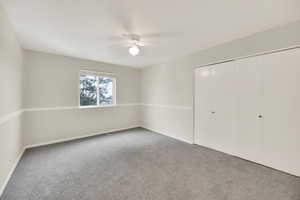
[{"x": 98, "y": 75}]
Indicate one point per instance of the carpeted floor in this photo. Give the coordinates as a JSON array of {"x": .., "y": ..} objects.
[{"x": 141, "y": 165}]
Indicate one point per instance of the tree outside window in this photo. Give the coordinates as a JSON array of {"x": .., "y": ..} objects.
[{"x": 96, "y": 90}]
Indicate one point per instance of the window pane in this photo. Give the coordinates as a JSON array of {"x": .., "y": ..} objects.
[
  {"x": 88, "y": 90},
  {"x": 105, "y": 90}
]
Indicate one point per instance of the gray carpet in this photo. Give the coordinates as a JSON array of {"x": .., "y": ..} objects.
[{"x": 141, "y": 165}]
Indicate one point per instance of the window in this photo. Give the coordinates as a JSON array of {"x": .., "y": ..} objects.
[{"x": 97, "y": 89}]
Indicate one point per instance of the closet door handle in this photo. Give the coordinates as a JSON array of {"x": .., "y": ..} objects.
[{"x": 260, "y": 116}]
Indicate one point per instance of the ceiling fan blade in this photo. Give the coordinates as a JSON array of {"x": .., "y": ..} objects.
[
  {"x": 119, "y": 12},
  {"x": 126, "y": 35},
  {"x": 161, "y": 35},
  {"x": 143, "y": 43}
]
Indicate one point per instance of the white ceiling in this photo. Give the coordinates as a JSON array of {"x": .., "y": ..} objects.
[{"x": 92, "y": 29}]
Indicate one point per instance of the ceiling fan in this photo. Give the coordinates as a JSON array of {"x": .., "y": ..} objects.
[
  {"x": 133, "y": 37},
  {"x": 134, "y": 43}
]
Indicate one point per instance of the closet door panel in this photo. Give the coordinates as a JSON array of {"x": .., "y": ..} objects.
[
  {"x": 215, "y": 107},
  {"x": 281, "y": 105},
  {"x": 249, "y": 138},
  {"x": 205, "y": 85},
  {"x": 225, "y": 108}
]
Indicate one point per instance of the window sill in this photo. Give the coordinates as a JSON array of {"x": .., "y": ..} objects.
[{"x": 94, "y": 107}]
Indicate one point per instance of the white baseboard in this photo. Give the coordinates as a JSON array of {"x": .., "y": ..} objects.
[
  {"x": 11, "y": 171},
  {"x": 168, "y": 135},
  {"x": 80, "y": 137}
]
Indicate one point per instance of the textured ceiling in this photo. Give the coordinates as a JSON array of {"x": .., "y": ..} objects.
[{"x": 92, "y": 29}]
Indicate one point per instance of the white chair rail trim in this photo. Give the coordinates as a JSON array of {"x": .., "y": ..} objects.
[
  {"x": 11, "y": 115},
  {"x": 169, "y": 106}
]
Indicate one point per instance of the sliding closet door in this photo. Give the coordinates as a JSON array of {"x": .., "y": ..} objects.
[
  {"x": 281, "y": 105},
  {"x": 215, "y": 107},
  {"x": 249, "y": 137},
  {"x": 225, "y": 107},
  {"x": 205, "y": 85}
]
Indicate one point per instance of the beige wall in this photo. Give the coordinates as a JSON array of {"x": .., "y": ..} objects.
[
  {"x": 167, "y": 89},
  {"x": 10, "y": 99},
  {"x": 51, "y": 99}
]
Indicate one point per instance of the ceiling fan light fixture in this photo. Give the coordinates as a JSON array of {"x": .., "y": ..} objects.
[{"x": 134, "y": 50}]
